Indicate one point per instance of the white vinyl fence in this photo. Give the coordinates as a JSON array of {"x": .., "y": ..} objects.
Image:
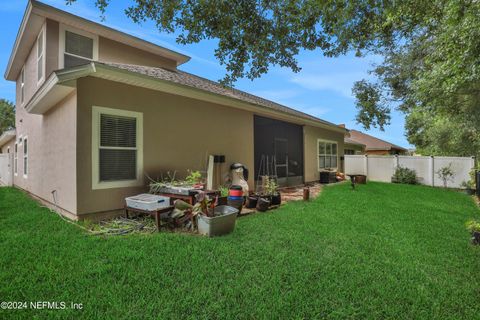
[
  {"x": 6, "y": 169},
  {"x": 381, "y": 168}
]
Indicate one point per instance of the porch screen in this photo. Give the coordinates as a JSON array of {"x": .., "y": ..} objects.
[{"x": 118, "y": 148}]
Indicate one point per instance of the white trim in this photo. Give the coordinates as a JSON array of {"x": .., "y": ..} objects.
[
  {"x": 61, "y": 44},
  {"x": 43, "y": 53},
  {"x": 318, "y": 154},
  {"x": 22, "y": 86},
  {"x": 25, "y": 157},
  {"x": 96, "y": 183}
]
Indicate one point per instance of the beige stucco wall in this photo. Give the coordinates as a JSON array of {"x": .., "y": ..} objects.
[
  {"x": 51, "y": 153},
  {"x": 113, "y": 51},
  {"x": 178, "y": 135},
  {"x": 311, "y": 135},
  {"x": 52, "y": 46}
]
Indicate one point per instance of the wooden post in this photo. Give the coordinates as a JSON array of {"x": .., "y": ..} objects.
[{"x": 306, "y": 194}]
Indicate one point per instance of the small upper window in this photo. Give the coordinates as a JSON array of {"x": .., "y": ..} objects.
[
  {"x": 15, "y": 158},
  {"x": 78, "y": 49},
  {"x": 40, "y": 56}
]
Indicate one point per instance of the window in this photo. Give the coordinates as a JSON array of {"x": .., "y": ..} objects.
[
  {"x": 8, "y": 149},
  {"x": 117, "y": 139},
  {"x": 15, "y": 159},
  {"x": 22, "y": 85},
  {"x": 349, "y": 151},
  {"x": 77, "y": 47},
  {"x": 25, "y": 157},
  {"x": 327, "y": 155},
  {"x": 41, "y": 55}
]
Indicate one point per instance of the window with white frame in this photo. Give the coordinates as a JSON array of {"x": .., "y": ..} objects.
[
  {"x": 15, "y": 159},
  {"x": 25, "y": 156},
  {"x": 117, "y": 140},
  {"x": 327, "y": 154},
  {"x": 41, "y": 55},
  {"x": 77, "y": 47},
  {"x": 22, "y": 85}
]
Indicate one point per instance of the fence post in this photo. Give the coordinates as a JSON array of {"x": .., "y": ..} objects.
[
  {"x": 432, "y": 170},
  {"x": 396, "y": 160},
  {"x": 365, "y": 164}
]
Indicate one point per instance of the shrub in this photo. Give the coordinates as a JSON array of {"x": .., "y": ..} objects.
[
  {"x": 446, "y": 174},
  {"x": 404, "y": 175}
]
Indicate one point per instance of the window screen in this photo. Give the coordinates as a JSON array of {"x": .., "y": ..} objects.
[
  {"x": 118, "y": 148},
  {"x": 25, "y": 156},
  {"x": 78, "y": 49}
]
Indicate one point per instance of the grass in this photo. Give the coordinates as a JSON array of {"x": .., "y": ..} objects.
[{"x": 383, "y": 251}]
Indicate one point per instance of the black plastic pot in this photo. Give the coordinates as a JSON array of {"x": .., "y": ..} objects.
[
  {"x": 222, "y": 201},
  {"x": 276, "y": 200},
  {"x": 263, "y": 204},
  {"x": 476, "y": 238},
  {"x": 251, "y": 202}
]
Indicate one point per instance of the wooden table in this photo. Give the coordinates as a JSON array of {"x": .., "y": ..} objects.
[
  {"x": 188, "y": 198},
  {"x": 155, "y": 213}
]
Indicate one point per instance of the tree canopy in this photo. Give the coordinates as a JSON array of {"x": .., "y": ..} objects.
[
  {"x": 7, "y": 115},
  {"x": 431, "y": 52}
]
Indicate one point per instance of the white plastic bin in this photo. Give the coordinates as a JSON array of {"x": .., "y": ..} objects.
[
  {"x": 147, "y": 202},
  {"x": 222, "y": 223}
]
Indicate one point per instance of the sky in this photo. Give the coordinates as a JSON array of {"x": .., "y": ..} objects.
[{"x": 322, "y": 88}]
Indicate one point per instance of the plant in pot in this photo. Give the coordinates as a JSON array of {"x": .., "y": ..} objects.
[
  {"x": 222, "y": 199},
  {"x": 271, "y": 190},
  {"x": 473, "y": 227},
  {"x": 252, "y": 201},
  {"x": 211, "y": 220}
]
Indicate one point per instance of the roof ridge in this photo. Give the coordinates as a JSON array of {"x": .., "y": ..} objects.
[{"x": 385, "y": 141}]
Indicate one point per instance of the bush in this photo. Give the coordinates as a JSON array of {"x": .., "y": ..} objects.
[{"x": 404, "y": 175}]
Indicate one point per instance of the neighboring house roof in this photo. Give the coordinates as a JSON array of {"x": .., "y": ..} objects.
[
  {"x": 350, "y": 141},
  {"x": 373, "y": 143},
  {"x": 7, "y": 136},
  {"x": 32, "y": 22},
  {"x": 60, "y": 83}
]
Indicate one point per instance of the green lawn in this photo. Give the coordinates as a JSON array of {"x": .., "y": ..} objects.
[{"x": 383, "y": 251}]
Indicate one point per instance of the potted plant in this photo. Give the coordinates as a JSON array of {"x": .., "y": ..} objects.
[
  {"x": 213, "y": 221},
  {"x": 271, "y": 191},
  {"x": 263, "y": 203},
  {"x": 252, "y": 201},
  {"x": 222, "y": 199},
  {"x": 473, "y": 227}
]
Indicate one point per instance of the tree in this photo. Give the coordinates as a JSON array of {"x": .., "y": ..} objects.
[
  {"x": 7, "y": 115},
  {"x": 431, "y": 52}
]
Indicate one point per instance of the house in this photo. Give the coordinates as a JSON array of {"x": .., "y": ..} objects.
[
  {"x": 361, "y": 143},
  {"x": 97, "y": 110}
]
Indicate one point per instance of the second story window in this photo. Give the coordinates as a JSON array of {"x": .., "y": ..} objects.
[
  {"x": 41, "y": 56},
  {"x": 78, "y": 47}
]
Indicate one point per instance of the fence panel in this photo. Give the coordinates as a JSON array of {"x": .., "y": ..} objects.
[
  {"x": 381, "y": 168},
  {"x": 421, "y": 165},
  {"x": 461, "y": 170},
  {"x": 355, "y": 164},
  {"x": 6, "y": 173}
]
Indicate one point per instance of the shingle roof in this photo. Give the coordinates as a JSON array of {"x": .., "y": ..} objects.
[
  {"x": 190, "y": 80},
  {"x": 371, "y": 142},
  {"x": 350, "y": 141}
]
